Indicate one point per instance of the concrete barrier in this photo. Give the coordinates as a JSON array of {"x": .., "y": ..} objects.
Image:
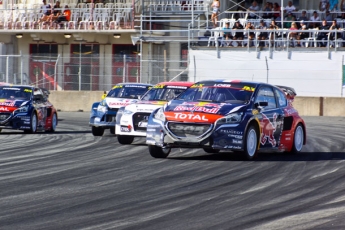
[{"x": 72, "y": 101}]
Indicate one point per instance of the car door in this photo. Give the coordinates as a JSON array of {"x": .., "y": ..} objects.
[
  {"x": 271, "y": 118},
  {"x": 40, "y": 104}
]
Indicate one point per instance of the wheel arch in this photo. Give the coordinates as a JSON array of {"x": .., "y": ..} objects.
[{"x": 256, "y": 123}]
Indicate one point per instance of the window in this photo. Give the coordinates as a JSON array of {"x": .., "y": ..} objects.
[
  {"x": 266, "y": 94},
  {"x": 281, "y": 98}
]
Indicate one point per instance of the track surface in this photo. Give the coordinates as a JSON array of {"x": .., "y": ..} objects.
[{"x": 73, "y": 180}]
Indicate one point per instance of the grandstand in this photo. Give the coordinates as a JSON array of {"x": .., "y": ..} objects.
[{"x": 107, "y": 42}]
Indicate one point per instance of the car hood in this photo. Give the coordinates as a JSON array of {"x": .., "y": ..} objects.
[
  {"x": 202, "y": 111},
  {"x": 11, "y": 105},
  {"x": 119, "y": 102}
]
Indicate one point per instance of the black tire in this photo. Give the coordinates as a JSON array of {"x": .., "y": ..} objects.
[
  {"x": 251, "y": 141},
  {"x": 97, "y": 131},
  {"x": 298, "y": 139},
  {"x": 159, "y": 152},
  {"x": 125, "y": 140},
  {"x": 54, "y": 124},
  {"x": 33, "y": 123},
  {"x": 112, "y": 130},
  {"x": 210, "y": 150}
]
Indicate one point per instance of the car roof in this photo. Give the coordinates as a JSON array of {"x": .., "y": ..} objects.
[
  {"x": 176, "y": 83},
  {"x": 16, "y": 86},
  {"x": 230, "y": 81},
  {"x": 133, "y": 83}
]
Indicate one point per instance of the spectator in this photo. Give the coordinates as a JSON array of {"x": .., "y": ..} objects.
[
  {"x": 342, "y": 8},
  {"x": 267, "y": 9},
  {"x": 314, "y": 20},
  {"x": 322, "y": 36},
  {"x": 238, "y": 35},
  {"x": 56, "y": 12},
  {"x": 324, "y": 5},
  {"x": 333, "y": 5},
  {"x": 262, "y": 36},
  {"x": 334, "y": 26},
  {"x": 241, "y": 7},
  {"x": 46, "y": 10},
  {"x": 66, "y": 16},
  {"x": 302, "y": 35},
  {"x": 227, "y": 33},
  {"x": 292, "y": 32},
  {"x": 250, "y": 35},
  {"x": 288, "y": 20},
  {"x": 328, "y": 17},
  {"x": 276, "y": 9},
  {"x": 253, "y": 8},
  {"x": 290, "y": 8},
  {"x": 215, "y": 11},
  {"x": 303, "y": 17}
]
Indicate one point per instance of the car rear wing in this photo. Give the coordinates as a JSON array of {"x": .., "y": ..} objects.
[{"x": 290, "y": 92}]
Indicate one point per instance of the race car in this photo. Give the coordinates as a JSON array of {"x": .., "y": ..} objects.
[
  {"x": 131, "y": 121},
  {"x": 26, "y": 108},
  {"x": 242, "y": 116},
  {"x": 103, "y": 113}
]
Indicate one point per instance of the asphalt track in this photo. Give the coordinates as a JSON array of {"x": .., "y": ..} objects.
[{"x": 73, "y": 180}]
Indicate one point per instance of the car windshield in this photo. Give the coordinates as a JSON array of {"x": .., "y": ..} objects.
[
  {"x": 15, "y": 93},
  {"x": 128, "y": 91},
  {"x": 163, "y": 93},
  {"x": 220, "y": 93}
]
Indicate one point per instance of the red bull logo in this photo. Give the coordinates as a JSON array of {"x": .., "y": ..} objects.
[
  {"x": 199, "y": 107},
  {"x": 268, "y": 129}
]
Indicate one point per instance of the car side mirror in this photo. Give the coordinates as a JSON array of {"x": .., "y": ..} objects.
[{"x": 260, "y": 104}]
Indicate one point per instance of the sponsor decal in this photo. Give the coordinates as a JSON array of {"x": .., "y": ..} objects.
[
  {"x": 124, "y": 129},
  {"x": 222, "y": 85},
  {"x": 153, "y": 126},
  {"x": 231, "y": 131},
  {"x": 120, "y": 103},
  {"x": 197, "y": 109},
  {"x": 159, "y": 86},
  {"x": 192, "y": 117},
  {"x": 149, "y": 135},
  {"x": 24, "y": 127},
  {"x": 248, "y": 88},
  {"x": 8, "y": 103},
  {"x": 197, "y": 86},
  {"x": 4, "y": 109},
  {"x": 136, "y": 86},
  {"x": 235, "y": 136},
  {"x": 151, "y": 130},
  {"x": 12, "y": 88},
  {"x": 235, "y": 141},
  {"x": 176, "y": 87},
  {"x": 142, "y": 124},
  {"x": 117, "y": 86},
  {"x": 232, "y": 147},
  {"x": 268, "y": 129},
  {"x": 150, "y": 142},
  {"x": 28, "y": 90},
  {"x": 255, "y": 111}
]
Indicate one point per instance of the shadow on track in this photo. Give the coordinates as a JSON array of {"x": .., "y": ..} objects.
[{"x": 234, "y": 156}]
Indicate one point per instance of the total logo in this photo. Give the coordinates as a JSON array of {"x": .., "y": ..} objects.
[
  {"x": 3, "y": 109},
  {"x": 190, "y": 116}
]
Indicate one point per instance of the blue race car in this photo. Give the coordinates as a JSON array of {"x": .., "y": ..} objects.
[
  {"x": 26, "y": 108},
  {"x": 103, "y": 114},
  {"x": 228, "y": 115}
]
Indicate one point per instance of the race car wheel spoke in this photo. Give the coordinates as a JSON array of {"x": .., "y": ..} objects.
[
  {"x": 125, "y": 140},
  {"x": 159, "y": 152},
  {"x": 251, "y": 143},
  {"x": 97, "y": 131}
]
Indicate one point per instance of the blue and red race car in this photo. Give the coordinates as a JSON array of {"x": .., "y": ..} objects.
[
  {"x": 26, "y": 108},
  {"x": 228, "y": 115}
]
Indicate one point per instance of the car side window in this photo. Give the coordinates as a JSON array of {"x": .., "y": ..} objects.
[
  {"x": 281, "y": 98},
  {"x": 266, "y": 94}
]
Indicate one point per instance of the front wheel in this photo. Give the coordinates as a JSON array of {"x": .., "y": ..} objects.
[
  {"x": 298, "y": 139},
  {"x": 125, "y": 140},
  {"x": 251, "y": 142},
  {"x": 97, "y": 131},
  {"x": 33, "y": 124},
  {"x": 210, "y": 150},
  {"x": 159, "y": 152}
]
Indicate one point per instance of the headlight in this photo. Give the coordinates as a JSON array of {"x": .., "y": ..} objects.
[
  {"x": 160, "y": 115},
  {"x": 127, "y": 112},
  {"x": 230, "y": 119},
  {"x": 102, "y": 107},
  {"x": 23, "y": 109}
]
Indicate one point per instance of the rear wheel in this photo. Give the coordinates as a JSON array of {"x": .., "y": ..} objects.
[
  {"x": 112, "y": 130},
  {"x": 210, "y": 150},
  {"x": 125, "y": 140},
  {"x": 97, "y": 131},
  {"x": 298, "y": 139},
  {"x": 54, "y": 123},
  {"x": 251, "y": 142},
  {"x": 159, "y": 152},
  {"x": 33, "y": 124}
]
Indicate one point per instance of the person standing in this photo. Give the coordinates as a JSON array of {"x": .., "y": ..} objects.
[{"x": 215, "y": 11}]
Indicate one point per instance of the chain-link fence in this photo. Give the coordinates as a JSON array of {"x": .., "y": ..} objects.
[{"x": 88, "y": 71}]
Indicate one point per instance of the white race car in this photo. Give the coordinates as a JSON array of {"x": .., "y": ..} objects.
[
  {"x": 131, "y": 120},
  {"x": 103, "y": 113}
]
